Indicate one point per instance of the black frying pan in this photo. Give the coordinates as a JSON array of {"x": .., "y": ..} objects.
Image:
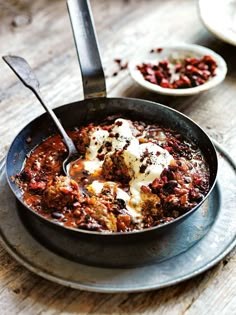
[{"x": 116, "y": 249}]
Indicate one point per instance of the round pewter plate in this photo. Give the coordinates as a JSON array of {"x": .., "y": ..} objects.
[{"x": 220, "y": 240}]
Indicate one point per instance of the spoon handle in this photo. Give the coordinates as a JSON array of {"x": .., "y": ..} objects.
[
  {"x": 24, "y": 72},
  {"x": 87, "y": 48}
]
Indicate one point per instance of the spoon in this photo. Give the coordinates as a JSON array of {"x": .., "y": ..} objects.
[
  {"x": 175, "y": 53},
  {"x": 24, "y": 72}
]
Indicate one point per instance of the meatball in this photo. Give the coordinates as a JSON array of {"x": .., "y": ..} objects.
[
  {"x": 82, "y": 139},
  {"x": 103, "y": 212},
  {"x": 61, "y": 192},
  {"x": 115, "y": 169}
]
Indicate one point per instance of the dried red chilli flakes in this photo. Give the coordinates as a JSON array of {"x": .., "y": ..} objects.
[
  {"x": 122, "y": 65},
  {"x": 187, "y": 73},
  {"x": 158, "y": 50}
]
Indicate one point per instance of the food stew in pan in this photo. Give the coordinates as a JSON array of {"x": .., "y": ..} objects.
[{"x": 131, "y": 175}]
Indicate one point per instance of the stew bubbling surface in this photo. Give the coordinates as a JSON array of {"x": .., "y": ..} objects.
[{"x": 131, "y": 176}]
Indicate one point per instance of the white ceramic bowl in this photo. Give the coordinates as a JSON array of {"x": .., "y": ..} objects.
[
  {"x": 171, "y": 52},
  {"x": 219, "y": 17}
]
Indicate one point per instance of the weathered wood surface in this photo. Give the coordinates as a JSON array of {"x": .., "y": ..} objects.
[{"x": 40, "y": 31}]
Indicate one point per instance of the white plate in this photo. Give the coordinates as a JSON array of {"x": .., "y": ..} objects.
[
  {"x": 219, "y": 17},
  {"x": 179, "y": 51}
]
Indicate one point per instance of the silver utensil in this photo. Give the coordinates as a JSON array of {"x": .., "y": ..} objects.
[{"x": 24, "y": 72}]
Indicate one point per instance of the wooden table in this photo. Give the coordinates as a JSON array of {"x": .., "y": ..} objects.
[{"x": 40, "y": 31}]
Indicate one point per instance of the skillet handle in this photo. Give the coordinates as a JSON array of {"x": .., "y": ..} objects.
[{"x": 87, "y": 48}]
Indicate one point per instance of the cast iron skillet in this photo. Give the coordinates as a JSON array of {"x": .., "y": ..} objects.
[{"x": 116, "y": 249}]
